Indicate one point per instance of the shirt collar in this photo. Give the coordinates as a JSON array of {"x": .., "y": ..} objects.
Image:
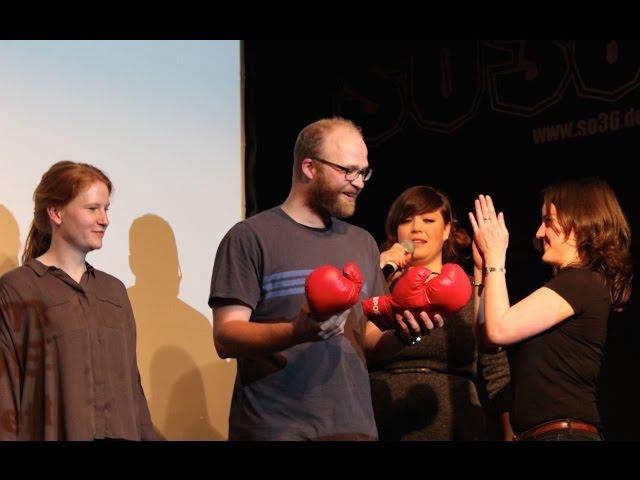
[{"x": 41, "y": 268}]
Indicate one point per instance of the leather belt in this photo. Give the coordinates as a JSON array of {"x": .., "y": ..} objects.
[
  {"x": 555, "y": 425},
  {"x": 408, "y": 370}
]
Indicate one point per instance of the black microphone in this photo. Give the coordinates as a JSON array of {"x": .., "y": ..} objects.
[
  {"x": 390, "y": 268},
  {"x": 537, "y": 244}
]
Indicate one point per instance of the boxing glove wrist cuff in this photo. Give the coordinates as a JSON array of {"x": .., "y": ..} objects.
[{"x": 377, "y": 307}]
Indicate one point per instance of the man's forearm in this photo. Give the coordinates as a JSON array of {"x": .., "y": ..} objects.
[{"x": 238, "y": 338}]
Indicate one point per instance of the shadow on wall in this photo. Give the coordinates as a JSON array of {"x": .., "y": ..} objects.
[
  {"x": 187, "y": 385},
  {"x": 9, "y": 241}
]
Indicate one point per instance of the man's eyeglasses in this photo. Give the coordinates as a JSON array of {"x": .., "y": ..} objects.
[{"x": 350, "y": 174}]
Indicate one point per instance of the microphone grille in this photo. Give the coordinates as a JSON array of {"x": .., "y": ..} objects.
[{"x": 408, "y": 245}]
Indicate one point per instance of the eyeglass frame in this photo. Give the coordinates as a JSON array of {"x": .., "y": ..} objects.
[{"x": 365, "y": 172}]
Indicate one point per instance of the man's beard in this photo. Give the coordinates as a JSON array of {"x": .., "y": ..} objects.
[{"x": 328, "y": 201}]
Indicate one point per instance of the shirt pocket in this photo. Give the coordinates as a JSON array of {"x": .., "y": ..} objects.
[
  {"x": 112, "y": 312},
  {"x": 61, "y": 316},
  {"x": 115, "y": 338}
]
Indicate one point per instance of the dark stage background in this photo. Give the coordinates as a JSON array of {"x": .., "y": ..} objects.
[{"x": 503, "y": 118}]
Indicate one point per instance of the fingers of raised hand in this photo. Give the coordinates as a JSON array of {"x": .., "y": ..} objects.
[{"x": 474, "y": 224}]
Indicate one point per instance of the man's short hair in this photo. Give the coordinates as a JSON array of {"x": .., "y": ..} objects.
[{"x": 309, "y": 141}]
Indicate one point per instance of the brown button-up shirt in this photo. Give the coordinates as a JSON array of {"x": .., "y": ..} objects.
[{"x": 68, "y": 368}]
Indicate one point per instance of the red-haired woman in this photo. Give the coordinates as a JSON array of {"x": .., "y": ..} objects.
[{"x": 68, "y": 366}]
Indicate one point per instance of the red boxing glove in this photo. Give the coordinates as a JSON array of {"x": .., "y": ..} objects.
[
  {"x": 408, "y": 294},
  {"x": 446, "y": 293},
  {"x": 450, "y": 291},
  {"x": 330, "y": 291}
]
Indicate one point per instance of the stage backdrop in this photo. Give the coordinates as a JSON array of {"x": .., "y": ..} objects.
[
  {"x": 163, "y": 119},
  {"x": 500, "y": 117}
]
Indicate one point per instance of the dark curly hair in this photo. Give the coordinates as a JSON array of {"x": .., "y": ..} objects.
[{"x": 589, "y": 207}]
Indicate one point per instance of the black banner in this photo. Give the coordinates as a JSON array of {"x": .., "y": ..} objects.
[{"x": 500, "y": 117}]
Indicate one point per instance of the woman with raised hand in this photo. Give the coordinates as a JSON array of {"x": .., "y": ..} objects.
[{"x": 558, "y": 332}]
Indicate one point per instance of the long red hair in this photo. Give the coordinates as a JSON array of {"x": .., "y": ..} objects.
[{"x": 59, "y": 186}]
